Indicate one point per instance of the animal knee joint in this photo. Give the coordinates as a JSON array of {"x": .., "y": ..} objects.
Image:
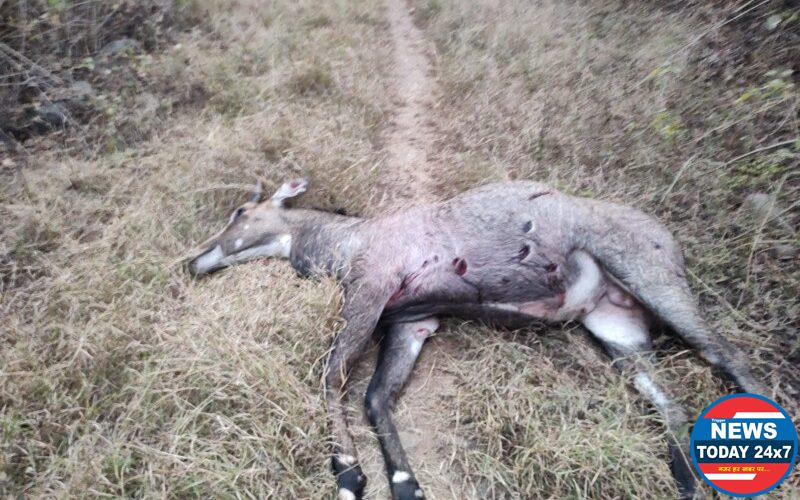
[{"x": 375, "y": 404}]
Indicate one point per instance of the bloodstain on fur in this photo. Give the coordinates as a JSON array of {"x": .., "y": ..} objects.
[
  {"x": 402, "y": 289},
  {"x": 536, "y": 195},
  {"x": 396, "y": 295},
  {"x": 460, "y": 265}
]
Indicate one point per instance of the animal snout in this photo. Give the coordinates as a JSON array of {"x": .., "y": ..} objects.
[
  {"x": 206, "y": 262},
  {"x": 190, "y": 266}
]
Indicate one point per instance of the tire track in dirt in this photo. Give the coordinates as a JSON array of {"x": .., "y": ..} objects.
[{"x": 408, "y": 178}]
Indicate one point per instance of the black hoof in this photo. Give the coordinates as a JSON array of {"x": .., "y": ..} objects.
[
  {"x": 682, "y": 472},
  {"x": 406, "y": 488},
  {"x": 350, "y": 481}
]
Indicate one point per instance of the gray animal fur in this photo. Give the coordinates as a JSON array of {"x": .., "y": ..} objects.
[{"x": 506, "y": 254}]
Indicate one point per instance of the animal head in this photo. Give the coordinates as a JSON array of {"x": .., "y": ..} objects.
[{"x": 255, "y": 229}]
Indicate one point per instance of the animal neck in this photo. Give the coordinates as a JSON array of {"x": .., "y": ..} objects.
[{"x": 323, "y": 242}]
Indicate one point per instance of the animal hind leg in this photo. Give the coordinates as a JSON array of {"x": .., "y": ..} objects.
[
  {"x": 672, "y": 301},
  {"x": 658, "y": 282},
  {"x": 621, "y": 326},
  {"x": 401, "y": 347},
  {"x": 674, "y": 416},
  {"x": 715, "y": 349},
  {"x": 649, "y": 263}
]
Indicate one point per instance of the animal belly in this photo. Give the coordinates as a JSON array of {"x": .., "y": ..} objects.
[
  {"x": 580, "y": 297},
  {"x": 585, "y": 291},
  {"x": 545, "y": 308},
  {"x": 563, "y": 290}
]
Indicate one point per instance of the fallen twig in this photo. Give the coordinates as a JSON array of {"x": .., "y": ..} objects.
[{"x": 761, "y": 150}]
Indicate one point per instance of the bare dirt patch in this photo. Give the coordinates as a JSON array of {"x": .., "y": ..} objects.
[{"x": 411, "y": 135}]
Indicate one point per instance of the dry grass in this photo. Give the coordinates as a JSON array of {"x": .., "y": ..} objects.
[{"x": 121, "y": 377}]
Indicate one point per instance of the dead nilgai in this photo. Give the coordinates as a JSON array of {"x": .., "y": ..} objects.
[{"x": 506, "y": 254}]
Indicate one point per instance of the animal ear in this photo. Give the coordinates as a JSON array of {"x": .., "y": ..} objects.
[
  {"x": 255, "y": 197},
  {"x": 288, "y": 190}
]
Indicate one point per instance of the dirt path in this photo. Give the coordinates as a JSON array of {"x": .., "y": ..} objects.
[
  {"x": 408, "y": 178},
  {"x": 410, "y": 138}
]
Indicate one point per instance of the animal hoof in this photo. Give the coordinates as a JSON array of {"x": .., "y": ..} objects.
[
  {"x": 407, "y": 489},
  {"x": 351, "y": 484},
  {"x": 682, "y": 472},
  {"x": 349, "y": 480}
]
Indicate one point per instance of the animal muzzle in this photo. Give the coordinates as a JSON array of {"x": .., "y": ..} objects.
[{"x": 207, "y": 262}]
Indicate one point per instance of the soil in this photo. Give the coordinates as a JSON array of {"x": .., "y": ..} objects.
[{"x": 409, "y": 140}]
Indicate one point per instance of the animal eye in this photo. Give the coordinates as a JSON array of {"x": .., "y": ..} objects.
[{"x": 239, "y": 211}]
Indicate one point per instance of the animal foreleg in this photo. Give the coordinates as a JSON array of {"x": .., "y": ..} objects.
[
  {"x": 361, "y": 311},
  {"x": 401, "y": 347}
]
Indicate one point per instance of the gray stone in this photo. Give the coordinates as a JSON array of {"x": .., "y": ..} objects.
[{"x": 53, "y": 114}]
